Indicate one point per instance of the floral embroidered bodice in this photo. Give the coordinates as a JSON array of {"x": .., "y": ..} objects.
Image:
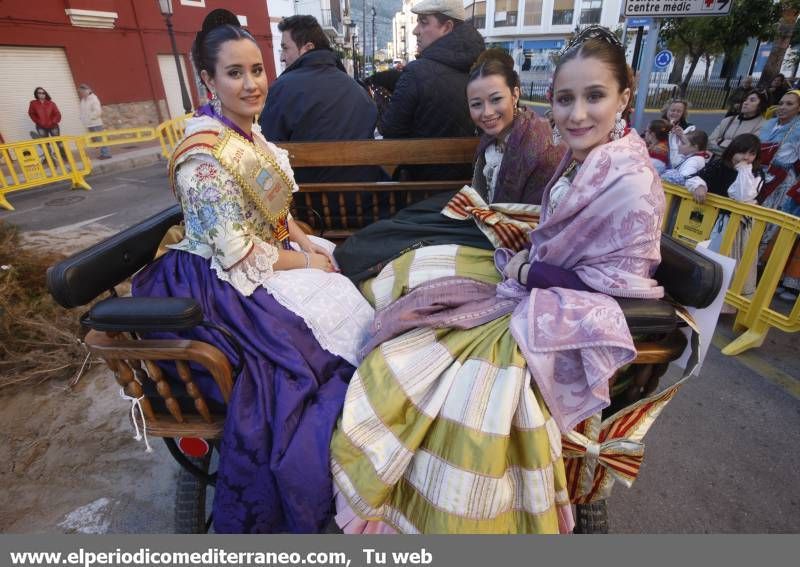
[{"x": 221, "y": 222}]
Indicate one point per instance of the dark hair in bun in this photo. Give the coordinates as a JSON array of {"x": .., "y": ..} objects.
[
  {"x": 218, "y": 27},
  {"x": 495, "y": 61}
]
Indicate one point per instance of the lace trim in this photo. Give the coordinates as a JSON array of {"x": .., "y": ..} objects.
[{"x": 252, "y": 271}]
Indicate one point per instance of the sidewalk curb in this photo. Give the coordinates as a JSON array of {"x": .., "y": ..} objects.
[{"x": 124, "y": 163}]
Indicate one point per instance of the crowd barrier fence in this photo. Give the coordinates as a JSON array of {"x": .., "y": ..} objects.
[
  {"x": 170, "y": 133},
  {"x": 120, "y": 136},
  {"x": 42, "y": 161},
  {"x": 693, "y": 222}
]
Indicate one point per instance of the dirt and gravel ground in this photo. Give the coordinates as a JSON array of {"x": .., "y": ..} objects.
[{"x": 68, "y": 460}]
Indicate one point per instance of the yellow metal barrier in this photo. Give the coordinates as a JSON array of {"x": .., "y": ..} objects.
[
  {"x": 39, "y": 162},
  {"x": 120, "y": 136},
  {"x": 755, "y": 316},
  {"x": 170, "y": 133}
]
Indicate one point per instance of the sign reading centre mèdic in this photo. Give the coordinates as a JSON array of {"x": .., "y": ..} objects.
[{"x": 677, "y": 8}]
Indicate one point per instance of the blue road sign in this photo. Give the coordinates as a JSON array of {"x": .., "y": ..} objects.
[
  {"x": 663, "y": 59},
  {"x": 638, "y": 22}
]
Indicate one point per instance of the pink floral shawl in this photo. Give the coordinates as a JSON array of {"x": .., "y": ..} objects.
[{"x": 607, "y": 229}]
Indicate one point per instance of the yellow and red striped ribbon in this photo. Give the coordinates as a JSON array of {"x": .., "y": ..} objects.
[{"x": 506, "y": 225}]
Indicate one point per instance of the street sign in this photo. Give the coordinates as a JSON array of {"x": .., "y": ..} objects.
[
  {"x": 662, "y": 60},
  {"x": 639, "y": 22},
  {"x": 677, "y": 8}
]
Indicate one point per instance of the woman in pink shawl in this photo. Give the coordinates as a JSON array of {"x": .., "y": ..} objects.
[{"x": 478, "y": 363}]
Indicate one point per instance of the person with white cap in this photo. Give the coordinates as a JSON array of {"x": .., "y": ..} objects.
[{"x": 429, "y": 100}]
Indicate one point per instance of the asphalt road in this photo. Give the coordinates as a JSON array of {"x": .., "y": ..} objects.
[
  {"x": 116, "y": 201},
  {"x": 722, "y": 458}
]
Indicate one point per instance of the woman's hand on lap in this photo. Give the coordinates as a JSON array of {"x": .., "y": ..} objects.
[{"x": 321, "y": 262}]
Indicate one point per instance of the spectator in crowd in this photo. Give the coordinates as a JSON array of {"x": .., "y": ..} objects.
[
  {"x": 693, "y": 158},
  {"x": 781, "y": 135},
  {"x": 429, "y": 100},
  {"x": 738, "y": 95},
  {"x": 92, "y": 114},
  {"x": 676, "y": 112},
  {"x": 747, "y": 121},
  {"x": 737, "y": 175},
  {"x": 44, "y": 113},
  {"x": 777, "y": 88},
  {"x": 783, "y": 131},
  {"x": 46, "y": 116},
  {"x": 657, "y": 138},
  {"x": 315, "y": 99}
]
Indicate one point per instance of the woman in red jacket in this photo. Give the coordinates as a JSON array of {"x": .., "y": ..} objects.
[{"x": 45, "y": 114}]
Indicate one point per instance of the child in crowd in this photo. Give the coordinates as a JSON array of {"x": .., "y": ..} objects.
[
  {"x": 657, "y": 138},
  {"x": 736, "y": 175},
  {"x": 693, "y": 156}
]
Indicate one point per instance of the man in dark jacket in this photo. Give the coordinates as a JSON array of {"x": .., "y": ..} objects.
[
  {"x": 315, "y": 99},
  {"x": 430, "y": 100}
]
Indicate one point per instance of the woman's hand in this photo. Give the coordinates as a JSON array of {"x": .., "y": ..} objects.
[
  {"x": 515, "y": 263},
  {"x": 321, "y": 262},
  {"x": 316, "y": 249},
  {"x": 699, "y": 193}
]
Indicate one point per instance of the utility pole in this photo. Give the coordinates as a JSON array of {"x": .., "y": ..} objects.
[
  {"x": 364, "y": 31},
  {"x": 373, "y": 38}
]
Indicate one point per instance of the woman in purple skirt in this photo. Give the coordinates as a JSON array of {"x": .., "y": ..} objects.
[{"x": 254, "y": 272}]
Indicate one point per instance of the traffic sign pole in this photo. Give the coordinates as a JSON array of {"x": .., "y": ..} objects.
[{"x": 645, "y": 69}]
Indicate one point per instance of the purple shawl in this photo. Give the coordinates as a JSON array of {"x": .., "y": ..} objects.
[
  {"x": 529, "y": 161},
  {"x": 607, "y": 229}
]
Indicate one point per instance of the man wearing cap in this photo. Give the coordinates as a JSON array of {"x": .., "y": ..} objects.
[{"x": 429, "y": 100}]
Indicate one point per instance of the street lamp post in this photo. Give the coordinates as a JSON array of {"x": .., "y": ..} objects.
[{"x": 166, "y": 10}]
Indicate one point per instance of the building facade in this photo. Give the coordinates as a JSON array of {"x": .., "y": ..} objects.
[
  {"x": 533, "y": 30},
  {"x": 404, "y": 42},
  {"x": 121, "y": 48}
]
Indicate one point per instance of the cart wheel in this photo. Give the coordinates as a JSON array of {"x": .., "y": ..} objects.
[
  {"x": 190, "y": 499},
  {"x": 591, "y": 518}
]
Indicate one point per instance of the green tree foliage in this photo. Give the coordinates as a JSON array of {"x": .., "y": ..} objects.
[{"x": 706, "y": 36}]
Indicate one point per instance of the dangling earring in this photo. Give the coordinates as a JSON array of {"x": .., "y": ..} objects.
[
  {"x": 619, "y": 127},
  {"x": 216, "y": 105},
  {"x": 556, "y": 136}
]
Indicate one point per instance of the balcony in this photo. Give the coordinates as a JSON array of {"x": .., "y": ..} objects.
[
  {"x": 479, "y": 22},
  {"x": 591, "y": 16},
  {"x": 562, "y": 17},
  {"x": 331, "y": 21}
]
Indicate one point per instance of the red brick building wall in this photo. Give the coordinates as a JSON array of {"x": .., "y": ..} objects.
[{"x": 121, "y": 63}]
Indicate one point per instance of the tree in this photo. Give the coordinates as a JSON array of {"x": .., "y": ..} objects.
[
  {"x": 781, "y": 38},
  {"x": 726, "y": 35}
]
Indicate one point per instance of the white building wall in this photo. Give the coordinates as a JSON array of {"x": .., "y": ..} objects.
[
  {"x": 404, "y": 42},
  {"x": 609, "y": 17}
]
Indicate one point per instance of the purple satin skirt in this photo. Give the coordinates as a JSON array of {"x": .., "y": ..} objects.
[{"x": 273, "y": 471}]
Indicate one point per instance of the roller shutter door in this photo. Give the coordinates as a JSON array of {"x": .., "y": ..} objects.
[{"x": 22, "y": 70}]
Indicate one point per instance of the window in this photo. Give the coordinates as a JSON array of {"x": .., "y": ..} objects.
[
  {"x": 533, "y": 12},
  {"x": 505, "y": 13},
  {"x": 562, "y": 12},
  {"x": 195, "y": 3},
  {"x": 476, "y": 14},
  {"x": 590, "y": 11}
]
